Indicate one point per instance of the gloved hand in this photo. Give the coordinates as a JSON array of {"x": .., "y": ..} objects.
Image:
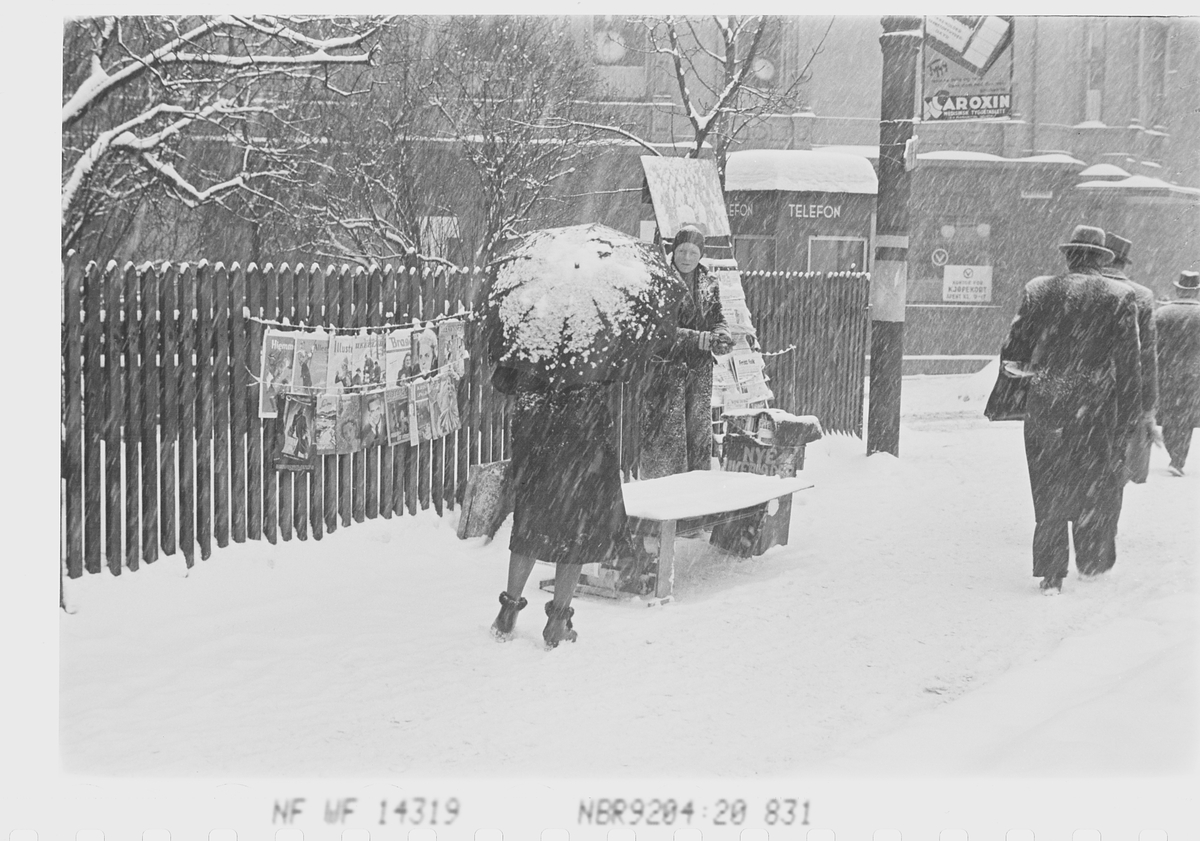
[
  {"x": 1152, "y": 430},
  {"x": 720, "y": 341}
]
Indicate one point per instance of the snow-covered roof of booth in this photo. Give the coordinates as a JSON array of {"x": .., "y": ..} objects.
[
  {"x": 1140, "y": 182},
  {"x": 1104, "y": 171},
  {"x": 801, "y": 171}
]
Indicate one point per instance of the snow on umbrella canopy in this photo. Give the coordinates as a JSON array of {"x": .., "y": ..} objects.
[{"x": 580, "y": 304}]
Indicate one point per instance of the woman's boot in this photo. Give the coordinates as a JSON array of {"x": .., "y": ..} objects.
[
  {"x": 558, "y": 625},
  {"x": 502, "y": 628}
]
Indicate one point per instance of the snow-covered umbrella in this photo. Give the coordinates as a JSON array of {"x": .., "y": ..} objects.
[{"x": 581, "y": 304}]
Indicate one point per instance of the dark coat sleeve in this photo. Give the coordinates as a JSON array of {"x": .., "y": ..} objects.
[
  {"x": 1126, "y": 353},
  {"x": 1148, "y": 340},
  {"x": 1026, "y": 329}
]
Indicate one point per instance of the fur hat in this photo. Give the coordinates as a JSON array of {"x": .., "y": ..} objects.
[
  {"x": 1086, "y": 239},
  {"x": 1188, "y": 280},
  {"x": 688, "y": 233},
  {"x": 1119, "y": 246}
]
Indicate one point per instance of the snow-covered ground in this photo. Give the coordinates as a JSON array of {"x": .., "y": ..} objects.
[{"x": 900, "y": 631}]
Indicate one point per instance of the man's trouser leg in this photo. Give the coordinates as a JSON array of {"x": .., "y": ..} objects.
[
  {"x": 1177, "y": 440},
  {"x": 1096, "y": 533},
  {"x": 1051, "y": 550}
]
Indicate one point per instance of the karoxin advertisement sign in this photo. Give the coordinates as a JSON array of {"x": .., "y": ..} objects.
[{"x": 966, "y": 67}]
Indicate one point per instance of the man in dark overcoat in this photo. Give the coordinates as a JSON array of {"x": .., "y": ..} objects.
[
  {"x": 1077, "y": 334},
  {"x": 1137, "y": 452},
  {"x": 1178, "y": 326}
]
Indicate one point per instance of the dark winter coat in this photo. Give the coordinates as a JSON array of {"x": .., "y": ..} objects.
[
  {"x": 1078, "y": 333},
  {"x": 1178, "y": 326},
  {"x": 676, "y": 420},
  {"x": 568, "y": 505},
  {"x": 1146, "y": 337}
]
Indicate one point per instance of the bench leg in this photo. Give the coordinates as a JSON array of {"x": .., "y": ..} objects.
[
  {"x": 664, "y": 581},
  {"x": 775, "y": 527}
]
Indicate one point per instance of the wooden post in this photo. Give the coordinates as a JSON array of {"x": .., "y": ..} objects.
[
  {"x": 132, "y": 423},
  {"x": 901, "y": 41},
  {"x": 222, "y": 322},
  {"x": 255, "y": 294},
  {"x": 93, "y": 416},
  {"x": 72, "y": 452},
  {"x": 115, "y": 280},
  {"x": 151, "y": 410},
  {"x": 239, "y": 377},
  {"x": 188, "y": 282},
  {"x": 204, "y": 409},
  {"x": 168, "y": 455}
]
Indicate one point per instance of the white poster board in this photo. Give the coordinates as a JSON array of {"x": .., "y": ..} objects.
[
  {"x": 686, "y": 191},
  {"x": 967, "y": 284}
]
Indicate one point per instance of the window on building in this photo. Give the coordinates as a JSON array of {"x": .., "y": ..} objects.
[
  {"x": 440, "y": 237},
  {"x": 754, "y": 253},
  {"x": 1154, "y": 74},
  {"x": 1094, "y": 70},
  {"x": 951, "y": 263},
  {"x": 837, "y": 254}
]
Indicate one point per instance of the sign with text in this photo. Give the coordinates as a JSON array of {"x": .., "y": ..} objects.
[
  {"x": 966, "y": 67},
  {"x": 967, "y": 284}
]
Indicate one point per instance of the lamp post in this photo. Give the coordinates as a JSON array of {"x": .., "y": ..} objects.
[{"x": 900, "y": 42}]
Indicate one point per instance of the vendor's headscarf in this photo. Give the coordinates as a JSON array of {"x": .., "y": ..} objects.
[{"x": 688, "y": 233}]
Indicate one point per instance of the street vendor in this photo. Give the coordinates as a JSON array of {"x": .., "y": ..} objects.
[{"x": 676, "y": 420}]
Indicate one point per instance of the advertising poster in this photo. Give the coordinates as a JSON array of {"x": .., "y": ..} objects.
[
  {"x": 275, "y": 376},
  {"x": 967, "y": 67},
  {"x": 295, "y": 449},
  {"x": 967, "y": 284},
  {"x": 310, "y": 371}
]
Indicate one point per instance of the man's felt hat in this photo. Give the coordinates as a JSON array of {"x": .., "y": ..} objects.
[
  {"x": 1188, "y": 280},
  {"x": 1087, "y": 239},
  {"x": 1119, "y": 246}
]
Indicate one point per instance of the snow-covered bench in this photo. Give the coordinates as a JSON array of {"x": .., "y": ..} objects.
[{"x": 729, "y": 503}]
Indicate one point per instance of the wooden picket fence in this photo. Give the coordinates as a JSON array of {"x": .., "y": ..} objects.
[
  {"x": 163, "y": 449},
  {"x": 826, "y": 317}
]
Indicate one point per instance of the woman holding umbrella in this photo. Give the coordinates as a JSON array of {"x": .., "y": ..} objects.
[
  {"x": 677, "y": 397},
  {"x": 569, "y": 315}
]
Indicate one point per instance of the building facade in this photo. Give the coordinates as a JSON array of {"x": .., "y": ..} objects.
[{"x": 1105, "y": 130}]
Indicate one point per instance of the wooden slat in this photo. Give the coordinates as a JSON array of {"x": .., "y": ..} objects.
[
  {"x": 331, "y": 463},
  {"x": 220, "y": 404},
  {"x": 168, "y": 455},
  {"x": 205, "y": 295},
  {"x": 151, "y": 408},
  {"x": 270, "y": 302},
  {"x": 412, "y": 453},
  {"x": 239, "y": 386},
  {"x": 425, "y": 448},
  {"x": 255, "y": 295},
  {"x": 300, "y": 479},
  {"x": 72, "y": 451},
  {"x": 387, "y": 304},
  {"x": 131, "y": 424},
  {"x": 93, "y": 416},
  {"x": 345, "y": 462},
  {"x": 287, "y": 312},
  {"x": 373, "y": 317},
  {"x": 114, "y": 281},
  {"x": 358, "y": 460},
  {"x": 188, "y": 287},
  {"x": 311, "y": 307}
]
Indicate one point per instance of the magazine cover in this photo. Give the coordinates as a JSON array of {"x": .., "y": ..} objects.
[
  {"x": 425, "y": 343},
  {"x": 311, "y": 370},
  {"x": 452, "y": 347},
  {"x": 341, "y": 361},
  {"x": 294, "y": 449},
  {"x": 349, "y": 423},
  {"x": 368, "y": 361},
  {"x": 325, "y": 424},
  {"x": 443, "y": 398},
  {"x": 374, "y": 427},
  {"x": 395, "y": 405},
  {"x": 398, "y": 358},
  {"x": 275, "y": 376},
  {"x": 420, "y": 412}
]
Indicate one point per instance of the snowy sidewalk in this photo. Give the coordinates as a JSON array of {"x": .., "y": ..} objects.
[{"x": 900, "y": 630}]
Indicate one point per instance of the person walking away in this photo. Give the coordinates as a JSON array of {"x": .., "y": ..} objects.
[
  {"x": 1077, "y": 334},
  {"x": 1137, "y": 452},
  {"x": 676, "y": 422},
  {"x": 1177, "y": 324},
  {"x": 568, "y": 508}
]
